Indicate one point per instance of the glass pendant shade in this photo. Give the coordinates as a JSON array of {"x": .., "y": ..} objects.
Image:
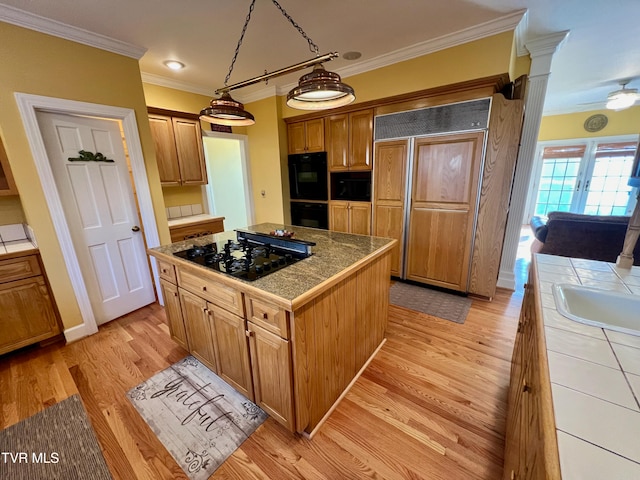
[
  {"x": 622, "y": 99},
  {"x": 226, "y": 111},
  {"x": 320, "y": 90}
]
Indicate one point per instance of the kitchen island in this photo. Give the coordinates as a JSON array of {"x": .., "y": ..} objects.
[
  {"x": 573, "y": 399},
  {"x": 295, "y": 340}
]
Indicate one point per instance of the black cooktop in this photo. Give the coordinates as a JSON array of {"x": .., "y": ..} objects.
[{"x": 253, "y": 255}]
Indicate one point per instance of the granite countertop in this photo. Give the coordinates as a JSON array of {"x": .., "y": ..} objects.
[
  {"x": 333, "y": 253},
  {"x": 182, "y": 221},
  {"x": 595, "y": 376}
]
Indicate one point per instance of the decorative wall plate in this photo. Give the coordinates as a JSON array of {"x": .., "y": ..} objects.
[{"x": 596, "y": 122}]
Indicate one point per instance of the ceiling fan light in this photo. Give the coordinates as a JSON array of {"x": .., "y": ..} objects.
[
  {"x": 226, "y": 111},
  {"x": 621, "y": 99},
  {"x": 320, "y": 90}
]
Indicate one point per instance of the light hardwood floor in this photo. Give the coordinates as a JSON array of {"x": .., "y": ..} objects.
[{"x": 431, "y": 405}]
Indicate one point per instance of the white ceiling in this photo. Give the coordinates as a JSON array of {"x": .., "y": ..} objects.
[{"x": 602, "y": 47}]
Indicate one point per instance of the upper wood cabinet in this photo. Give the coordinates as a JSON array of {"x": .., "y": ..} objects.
[
  {"x": 179, "y": 153},
  {"x": 7, "y": 185},
  {"x": 306, "y": 137},
  {"x": 349, "y": 141}
]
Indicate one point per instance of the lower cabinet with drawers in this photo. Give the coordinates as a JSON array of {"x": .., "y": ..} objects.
[
  {"x": 28, "y": 313},
  {"x": 250, "y": 351}
]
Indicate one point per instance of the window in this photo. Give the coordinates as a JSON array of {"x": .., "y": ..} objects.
[{"x": 584, "y": 177}]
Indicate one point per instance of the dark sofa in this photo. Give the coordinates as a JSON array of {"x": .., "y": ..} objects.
[{"x": 582, "y": 236}]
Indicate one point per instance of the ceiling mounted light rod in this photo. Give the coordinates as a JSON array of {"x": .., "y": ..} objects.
[
  {"x": 277, "y": 73},
  {"x": 317, "y": 90}
]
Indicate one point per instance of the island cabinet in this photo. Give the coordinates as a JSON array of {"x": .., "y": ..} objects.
[
  {"x": 28, "y": 313},
  {"x": 531, "y": 450},
  {"x": 179, "y": 151},
  {"x": 349, "y": 141},
  {"x": 350, "y": 217},
  {"x": 306, "y": 137},
  {"x": 293, "y": 347}
]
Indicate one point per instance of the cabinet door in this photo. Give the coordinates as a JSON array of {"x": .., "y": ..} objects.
[
  {"x": 174, "y": 313},
  {"x": 188, "y": 138},
  {"x": 7, "y": 185},
  {"x": 232, "y": 350},
  {"x": 196, "y": 322},
  {"x": 360, "y": 140},
  {"x": 315, "y": 135},
  {"x": 389, "y": 180},
  {"x": 443, "y": 205},
  {"x": 27, "y": 315},
  {"x": 339, "y": 216},
  {"x": 360, "y": 218},
  {"x": 296, "y": 138},
  {"x": 165, "y": 146},
  {"x": 271, "y": 366},
  {"x": 337, "y": 142}
]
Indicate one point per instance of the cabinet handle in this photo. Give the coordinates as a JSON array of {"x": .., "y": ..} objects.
[
  {"x": 525, "y": 387},
  {"x": 248, "y": 333},
  {"x": 175, "y": 294},
  {"x": 204, "y": 289},
  {"x": 265, "y": 315},
  {"x": 513, "y": 475},
  {"x": 204, "y": 310},
  {"x": 164, "y": 270}
]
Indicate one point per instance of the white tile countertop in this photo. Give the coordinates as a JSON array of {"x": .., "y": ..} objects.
[
  {"x": 16, "y": 238},
  {"x": 203, "y": 217},
  {"x": 595, "y": 376}
]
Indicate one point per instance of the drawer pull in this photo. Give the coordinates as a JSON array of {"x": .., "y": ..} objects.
[
  {"x": 175, "y": 294},
  {"x": 265, "y": 315},
  {"x": 204, "y": 289},
  {"x": 164, "y": 270},
  {"x": 525, "y": 387},
  {"x": 248, "y": 333}
]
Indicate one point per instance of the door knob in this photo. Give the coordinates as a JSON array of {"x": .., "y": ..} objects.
[{"x": 135, "y": 228}]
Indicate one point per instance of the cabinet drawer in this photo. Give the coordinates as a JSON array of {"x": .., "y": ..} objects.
[
  {"x": 167, "y": 271},
  {"x": 17, "y": 268},
  {"x": 179, "y": 233},
  {"x": 267, "y": 315},
  {"x": 214, "y": 292}
]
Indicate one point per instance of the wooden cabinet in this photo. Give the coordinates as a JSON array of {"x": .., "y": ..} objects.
[
  {"x": 231, "y": 349},
  {"x": 174, "y": 313},
  {"x": 28, "y": 312},
  {"x": 179, "y": 152},
  {"x": 349, "y": 141},
  {"x": 7, "y": 185},
  {"x": 306, "y": 137},
  {"x": 271, "y": 366},
  {"x": 531, "y": 450},
  {"x": 442, "y": 209},
  {"x": 198, "y": 328},
  {"x": 350, "y": 217},
  {"x": 390, "y": 173},
  {"x": 184, "y": 232}
]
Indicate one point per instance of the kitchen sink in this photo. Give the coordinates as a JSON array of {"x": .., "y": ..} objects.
[{"x": 600, "y": 308}]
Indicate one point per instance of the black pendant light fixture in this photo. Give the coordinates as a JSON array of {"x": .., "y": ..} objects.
[{"x": 318, "y": 90}]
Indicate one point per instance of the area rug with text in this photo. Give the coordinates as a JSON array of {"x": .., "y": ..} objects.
[{"x": 198, "y": 417}]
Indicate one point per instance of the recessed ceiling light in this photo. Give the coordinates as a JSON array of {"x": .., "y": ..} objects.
[
  {"x": 351, "y": 55},
  {"x": 174, "y": 64}
]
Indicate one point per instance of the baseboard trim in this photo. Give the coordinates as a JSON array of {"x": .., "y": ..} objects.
[
  {"x": 78, "y": 332},
  {"x": 310, "y": 435}
]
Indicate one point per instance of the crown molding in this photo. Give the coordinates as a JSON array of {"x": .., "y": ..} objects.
[
  {"x": 21, "y": 18},
  {"x": 176, "y": 84},
  {"x": 486, "y": 29},
  {"x": 522, "y": 32}
]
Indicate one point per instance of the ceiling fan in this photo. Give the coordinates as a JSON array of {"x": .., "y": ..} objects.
[{"x": 623, "y": 98}]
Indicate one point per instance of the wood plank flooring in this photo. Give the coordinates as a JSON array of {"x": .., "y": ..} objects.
[{"x": 431, "y": 405}]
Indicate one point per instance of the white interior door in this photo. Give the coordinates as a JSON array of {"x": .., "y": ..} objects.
[{"x": 99, "y": 207}]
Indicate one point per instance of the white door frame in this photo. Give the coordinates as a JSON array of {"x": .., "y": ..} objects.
[
  {"x": 28, "y": 105},
  {"x": 246, "y": 172}
]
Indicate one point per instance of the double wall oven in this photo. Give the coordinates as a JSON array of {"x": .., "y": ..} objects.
[{"x": 308, "y": 189}]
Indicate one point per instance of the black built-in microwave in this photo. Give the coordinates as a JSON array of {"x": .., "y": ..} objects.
[
  {"x": 308, "y": 176},
  {"x": 354, "y": 186}
]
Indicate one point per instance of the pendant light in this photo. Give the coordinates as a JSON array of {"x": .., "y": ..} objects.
[{"x": 317, "y": 90}]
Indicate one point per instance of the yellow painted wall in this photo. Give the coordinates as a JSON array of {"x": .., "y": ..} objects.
[
  {"x": 11, "y": 210},
  {"x": 481, "y": 58},
  {"x": 176, "y": 196},
  {"x": 561, "y": 127},
  {"x": 40, "y": 64}
]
